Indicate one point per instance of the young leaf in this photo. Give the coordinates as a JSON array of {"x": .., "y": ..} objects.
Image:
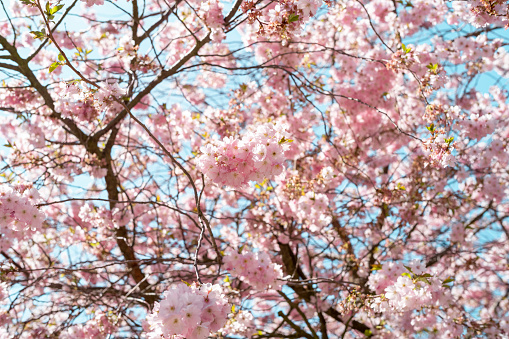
[
  {"x": 448, "y": 280},
  {"x": 449, "y": 140},
  {"x": 55, "y": 9},
  {"x": 293, "y": 18},
  {"x": 38, "y": 35},
  {"x": 53, "y": 66}
]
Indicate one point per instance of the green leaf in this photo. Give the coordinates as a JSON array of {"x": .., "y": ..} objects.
[
  {"x": 283, "y": 140},
  {"x": 233, "y": 308},
  {"x": 227, "y": 279},
  {"x": 185, "y": 282},
  {"x": 293, "y": 18},
  {"x": 38, "y": 34},
  {"x": 448, "y": 280},
  {"x": 376, "y": 267},
  {"x": 406, "y": 274},
  {"x": 433, "y": 67},
  {"x": 368, "y": 333},
  {"x": 405, "y": 49},
  {"x": 53, "y": 66},
  {"x": 61, "y": 57},
  {"x": 56, "y": 9}
]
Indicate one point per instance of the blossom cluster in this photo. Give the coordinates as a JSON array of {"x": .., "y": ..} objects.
[
  {"x": 125, "y": 53},
  {"x": 256, "y": 269},
  {"x": 311, "y": 210},
  {"x": 439, "y": 153},
  {"x": 99, "y": 327},
  {"x": 405, "y": 294},
  {"x": 100, "y": 217},
  {"x": 409, "y": 294},
  {"x": 74, "y": 104},
  {"x": 283, "y": 19},
  {"x": 90, "y": 3},
  {"x": 485, "y": 12},
  {"x": 234, "y": 162},
  {"x": 240, "y": 324},
  {"x": 384, "y": 277},
  {"x": 407, "y": 288},
  {"x": 85, "y": 104},
  {"x": 4, "y": 300},
  {"x": 403, "y": 59},
  {"x": 18, "y": 97},
  {"x": 212, "y": 13},
  {"x": 18, "y": 215},
  {"x": 190, "y": 312}
]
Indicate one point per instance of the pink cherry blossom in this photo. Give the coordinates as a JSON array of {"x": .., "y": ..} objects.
[
  {"x": 314, "y": 169},
  {"x": 189, "y": 311}
]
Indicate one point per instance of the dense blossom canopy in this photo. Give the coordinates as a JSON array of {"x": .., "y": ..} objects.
[{"x": 254, "y": 169}]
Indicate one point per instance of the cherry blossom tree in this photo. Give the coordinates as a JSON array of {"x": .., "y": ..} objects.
[{"x": 254, "y": 169}]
